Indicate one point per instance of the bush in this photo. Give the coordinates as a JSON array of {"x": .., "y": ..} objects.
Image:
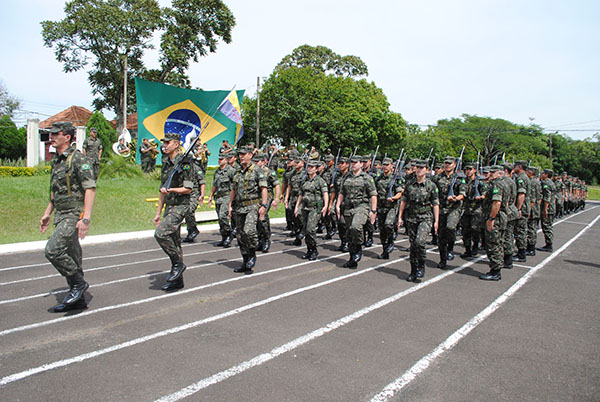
[
  {"x": 13, "y": 140},
  {"x": 119, "y": 167},
  {"x": 16, "y": 171}
]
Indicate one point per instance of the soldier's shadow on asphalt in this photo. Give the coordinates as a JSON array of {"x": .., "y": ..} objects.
[
  {"x": 157, "y": 279},
  {"x": 587, "y": 264},
  {"x": 60, "y": 296},
  {"x": 229, "y": 264}
]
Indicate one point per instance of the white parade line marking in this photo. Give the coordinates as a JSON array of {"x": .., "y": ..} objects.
[{"x": 396, "y": 386}]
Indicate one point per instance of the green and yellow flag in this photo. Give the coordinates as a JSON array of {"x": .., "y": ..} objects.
[{"x": 164, "y": 108}]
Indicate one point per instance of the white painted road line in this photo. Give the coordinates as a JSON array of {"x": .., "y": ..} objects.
[{"x": 396, "y": 386}]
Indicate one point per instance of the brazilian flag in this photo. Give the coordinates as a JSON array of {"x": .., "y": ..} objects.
[{"x": 163, "y": 107}]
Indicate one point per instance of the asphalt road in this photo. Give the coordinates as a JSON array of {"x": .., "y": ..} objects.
[{"x": 306, "y": 331}]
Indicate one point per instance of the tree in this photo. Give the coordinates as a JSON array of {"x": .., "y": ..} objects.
[
  {"x": 106, "y": 32},
  {"x": 106, "y": 134},
  {"x": 8, "y": 103},
  {"x": 325, "y": 60},
  {"x": 13, "y": 141}
]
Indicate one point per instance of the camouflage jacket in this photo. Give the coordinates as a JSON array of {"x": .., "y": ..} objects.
[
  {"x": 548, "y": 195},
  {"x": 312, "y": 192},
  {"x": 511, "y": 196},
  {"x": 443, "y": 183},
  {"x": 535, "y": 196},
  {"x": 222, "y": 181},
  {"x": 92, "y": 149},
  {"x": 295, "y": 184},
  {"x": 272, "y": 181},
  {"x": 497, "y": 191},
  {"x": 70, "y": 176},
  {"x": 247, "y": 184},
  {"x": 183, "y": 178},
  {"x": 382, "y": 182},
  {"x": 523, "y": 184},
  {"x": 470, "y": 204},
  {"x": 357, "y": 190},
  {"x": 419, "y": 198}
]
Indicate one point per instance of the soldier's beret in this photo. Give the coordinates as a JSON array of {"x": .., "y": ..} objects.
[
  {"x": 343, "y": 159},
  {"x": 328, "y": 158},
  {"x": 549, "y": 172},
  {"x": 419, "y": 163},
  {"x": 171, "y": 136},
  {"x": 387, "y": 161},
  {"x": 356, "y": 158},
  {"x": 496, "y": 168},
  {"x": 450, "y": 159},
  {"x": 244, "y": 150}
]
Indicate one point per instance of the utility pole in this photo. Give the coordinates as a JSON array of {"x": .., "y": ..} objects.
[
  {"x": 124, "y": 94},
  {"x": 257, "y": 111}
]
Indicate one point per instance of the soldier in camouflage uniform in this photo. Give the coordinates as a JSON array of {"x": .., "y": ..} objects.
[
  {"x": 548, "y": 208},
  {"x": 419, "y": 208},
  {"x": 387, "y": 207},
  {"x": 312, "y": 204},
  {"x": 513, "y": 215},
  {"x": 92, "y": 150},
  {"x": 274, "y": 191},
  {"x": 559, "y": 188},
  {"x": 196, "y": 197},
  {"x": 522, "y": 204},
  {"x": 495, "y": 211},
  {"x": 369, "y": 228},
  {"x": 359, "y": 196},
  {"x": 221, "y": 189},
  {"x": 450, "y": 208},
  {"x": 291, "y": 197},
  {"x": 472, "y": 217},
  {"x": 249, "y": 193},
  {"x": 535, "y": 198},
  {"x": 290, "y": 168},
  {"x": 72, "y": 193},
  {"x": 148, "y": 162},
  {"x": 340, "y": 176},
  {"x": 176, "y": 200},
  {"x": 329, "y": 219}
]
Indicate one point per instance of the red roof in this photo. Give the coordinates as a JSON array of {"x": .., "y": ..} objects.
[
  {"x": 132, "y": 123},
  {"x": 77, "y": 115}
]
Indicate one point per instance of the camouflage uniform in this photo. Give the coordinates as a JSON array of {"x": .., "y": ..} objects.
[
  {"x": 341, "y": 224},
  {"x": 264, "y": 226},
  {"x": 312, "y": 192},
  {"x": 387, "y": 211},
  {"x": 548, "y": 196},
  {"x": 512, "y": 216},
  {"x": 357, "y": 191},
  {"x": 92, "y": 149},
  {"x": 497, "y": 191},
  {"x": 289, "y": 216},
  {"x": 222, "y": 182},
  {"x": 329, "y": 220},
  {"x": 520, "y": 227},
  {"x": 148, "y": 163},
  {"x": 449, "y": 214},
  {"x": 247, "y": 185},
  {"x": 559, "y": 188},
  {"x": 176, "y": 208},
  {"x": 535, "y": 196},
  {"x": 295, "y": 185},
  {"x": 471, "y": 221},
  {"x": 70, "y": 176},
  {"x": 418, "y": 216},
  {"x": 190, "y": 217}
]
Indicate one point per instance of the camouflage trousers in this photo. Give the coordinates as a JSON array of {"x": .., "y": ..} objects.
[
  {"x": 494, "y": 246},
  {"x": 310, "y": 219},
  {"x": 293, "y": 221},
  {"x": 190, "y": 217},
  {"x": 520, "y": 233},
  {"x": 387, "y": 221},
  {"x": 222, "y": 209},
  {"x": 532, "y": 226},
  {"x": 342, "y": 228},
  {"x": 471, "y": 228},
  {"x": 95, "y": 170},
  {"x": 355, "y": 218},
  {"x": 559, "y": 207},
  {"x": 547, "y": 228},
  {"x": 330, "y": 222},
  {"x": 418, "y": 231},
  {"x": 509, "y": 237},
  {"x": 148, "y": 165},
  {"x": 63, "y": 249},
  {"x": 167, "y": 233},
  {"x": 247, "y": 234},
  {"x": 264, "y": 225},
  {"x": 447, "y": 232}
]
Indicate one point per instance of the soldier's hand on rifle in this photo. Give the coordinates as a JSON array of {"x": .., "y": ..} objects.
[{"x": 164, "y": 190}]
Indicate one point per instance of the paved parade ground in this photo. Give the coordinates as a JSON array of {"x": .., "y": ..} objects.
[{"x": 298, "y": 330}]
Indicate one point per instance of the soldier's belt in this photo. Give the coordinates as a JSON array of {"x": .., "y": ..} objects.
[
  {"x": 64, "y": 206},
  {"x": 352, "y": 205},
  {"x": 420, "y": 210},
  {"x": 247, "y": 203}
]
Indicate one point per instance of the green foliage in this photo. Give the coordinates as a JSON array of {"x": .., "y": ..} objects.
[
  {"x": 106, "y": 134},
  {"x": 16, "y": 171},
  {"x": 323, "y": 59},
  {"x": 119, "y": 167},
  {"x": 8, "y": 103},
  {"x": 105, "y": 32},
  {"x": 13, "y": 140}
]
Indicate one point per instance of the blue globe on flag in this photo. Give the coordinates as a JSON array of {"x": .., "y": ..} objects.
[{"x": 184, "y": 122}]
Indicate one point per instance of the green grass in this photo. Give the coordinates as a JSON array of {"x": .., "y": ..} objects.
[
  {"x": 594, "y": 193},
  {"x": 120, "y": 206}
]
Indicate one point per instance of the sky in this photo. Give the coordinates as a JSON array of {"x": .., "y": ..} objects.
[{"x": 520, "y": 60}]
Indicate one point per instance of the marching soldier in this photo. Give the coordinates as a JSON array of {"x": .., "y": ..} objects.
[
  {"x": 548, "y": 208},
  {"x": 522, "y": 204},
  {"x": 387, "y": 207},
  {"x": 92, "y": 150},
  {"x": 249, "y": 192},
  {"x": 535, "y": 198},
  {"x": 72, "y": 193},
  {"x": 176, "y": 200},
  {"x": 329, "y": 219},
  {"x": 196, "y": 197},
  {"x": 274, "y": 191},
  {"x": 472, "y": 217},
  {"x": 291, "y": 197},
  {"x": 419, "y": 207},
  {"x": 312, "y": 204},
  {"x": 337, "y": 186},
  {"x": 495, "y": 210},
  {"x": 359, "y": 196},
  {"x": 220, "y": 192}
]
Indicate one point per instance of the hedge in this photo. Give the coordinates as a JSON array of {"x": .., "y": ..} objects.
[{"x": 23, "y": 171}]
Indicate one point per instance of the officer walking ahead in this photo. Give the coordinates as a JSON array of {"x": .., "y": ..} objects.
[
  {"x": 72, "y": 194},
  {"x": 249, "y": 192},
  {"x": 177, "y": 201}
]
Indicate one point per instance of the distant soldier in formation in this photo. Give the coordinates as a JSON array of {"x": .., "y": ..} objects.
[
  {"x": 387, "y": 207},
  {"x": 274, "y": 192},
  {"x": 523, "y": 206},
  {"x": 343, "y": 167},
  {"x": 176, "y": 200},
  {"x": 72, "y": 194},
  {"x": 92, "y": 150},
  {"x": 535, "y": 197},
  {"x": 329, "y": 220},
  {"x": 548, "y": 208},
  {"x": 312, "y": 204},
  {"x": 512, "y": 215},
  {"x": 472, "y": 217},
  {"x": 291, "y": 197},
  {"x": 250, "y": 197},
  {"x": 419, "y": 209},
  {"x": 220, "y": 192}
]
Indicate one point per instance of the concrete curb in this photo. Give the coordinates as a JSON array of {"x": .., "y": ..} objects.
[{"x": 14, "y": 248}]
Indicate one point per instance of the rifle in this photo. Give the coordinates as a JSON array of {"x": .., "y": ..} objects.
[
  {"x": 354, "y": 153},
  {"x": 394, "y": 173},
  {"x": 477, "y": 193},
  {"x": 373, "y": 160},
  {"x": 305, "y": 173},
  {"x": 455, "y": 174},
  {"x": 271, "y": 157},
  {"x": 335, "y": 169},
  {"x": 432, "y": 165},
  {"x": 430, "y": 152}
]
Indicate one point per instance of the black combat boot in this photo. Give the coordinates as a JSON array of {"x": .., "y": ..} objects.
[
  {"x": 369, "y": 239},
  {"x": 530, "y": 250},
  {"x": 243, "y": 267},
  {"x": 191, "y": 236},
  {"x": 420, "y": 270},
  {"x": 78, "y": 305},
  {"x": 467, "y": 254},
  {"x": 520, "y": 256},
  {"x": 251, "y": 260},
  {"x": 77, "y": 288},
  {"x": 259, "y": 245},
  {"x": 412, "y": 277},
  {"x": 547, "y": 248},
  {"x": 176, "y": 271},
  {"x": 228, "y": 240},
  {"x": 493, "y": 275},
  {"x": 508, "y": 261},
  {"x": 220, "y": 243},
  {"x": 307, "y": 254},
  {"x": 314, "y": 254},
  {"x": 173, "y": 285},
  {"x": 345, "y": 247},
  {"x": 266, "y": 246}
]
